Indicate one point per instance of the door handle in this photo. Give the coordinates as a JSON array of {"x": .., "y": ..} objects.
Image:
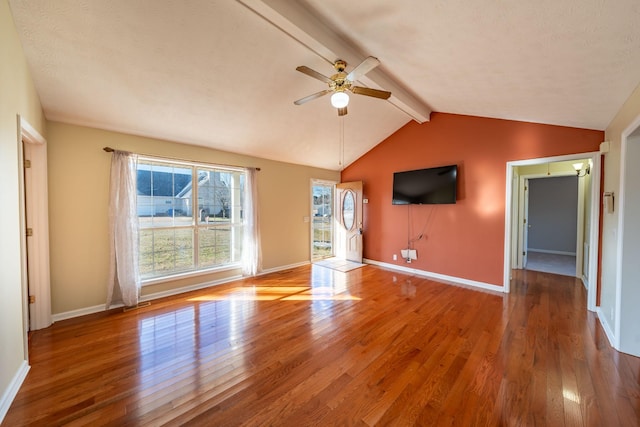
[{"x": 360, "y": 231}]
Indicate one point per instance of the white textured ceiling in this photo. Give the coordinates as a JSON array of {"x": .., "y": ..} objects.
[{"x": 222, "y": 73}]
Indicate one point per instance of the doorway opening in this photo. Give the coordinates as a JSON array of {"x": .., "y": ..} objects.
[
  {"x": 587, "y": 222},
  {"x": 553, "y": 224},
  {"x": 322, "y": 227}
]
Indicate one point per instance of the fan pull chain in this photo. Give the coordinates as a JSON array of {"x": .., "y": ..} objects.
[{"x": 341, "y": 148}]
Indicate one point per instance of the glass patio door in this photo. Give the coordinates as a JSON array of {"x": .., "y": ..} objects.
[{"x": 322, "y": 231}]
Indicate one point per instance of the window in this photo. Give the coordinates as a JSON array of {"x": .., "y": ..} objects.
[
  {"x": 190, "y": 217},
  {"x": 322, "y": 222}
]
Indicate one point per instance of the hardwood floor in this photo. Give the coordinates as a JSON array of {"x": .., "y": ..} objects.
[{"x": 313, "y": 346}]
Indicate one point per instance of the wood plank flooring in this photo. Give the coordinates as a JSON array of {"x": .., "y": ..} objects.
[{"x": 313, "y": 346}]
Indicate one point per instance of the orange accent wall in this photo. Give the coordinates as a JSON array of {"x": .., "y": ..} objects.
[{"x": 465, "y": 240}]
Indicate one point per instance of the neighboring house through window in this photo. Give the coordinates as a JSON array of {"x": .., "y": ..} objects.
[{"x": 190, "y": 216}]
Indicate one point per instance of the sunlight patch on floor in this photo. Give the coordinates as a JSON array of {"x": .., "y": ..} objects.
[{"x": 271, "y": 293}]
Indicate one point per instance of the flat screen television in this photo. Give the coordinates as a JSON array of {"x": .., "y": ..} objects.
[{"x": 426, "y": 186}]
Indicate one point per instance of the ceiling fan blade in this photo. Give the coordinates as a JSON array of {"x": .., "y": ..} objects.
[
  {"x": 312, "y": 97},
  {"x": 365, "y": 66},
  {"x": 313, "y": 73},
  {"x": 382, "y": 94},
  {"x": 342, "y": 111}
]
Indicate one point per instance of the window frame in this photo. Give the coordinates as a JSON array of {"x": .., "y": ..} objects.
[{"x": 196, "y": 224}]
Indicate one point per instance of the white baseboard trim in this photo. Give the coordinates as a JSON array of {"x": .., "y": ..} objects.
[
  {"x": 82, "y": 312},
  {"x": 149, "y": 297},
  {"x": 545, "y": 251},
  {"x": 439, "y": 277},
  {"x": 607, "y": 328},
  {"x": 12, "y": 390},
  {"x": 283, "y": 267},
  {"x": 182, "y": 290},
  {"x": 98, "y": 308},
  {"x": 585, "y": 282}
]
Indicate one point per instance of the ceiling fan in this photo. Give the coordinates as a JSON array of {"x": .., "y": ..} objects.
[{"x": 341, "y": 82}]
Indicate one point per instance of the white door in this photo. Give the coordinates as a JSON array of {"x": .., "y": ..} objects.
[
  {"x": 36, "y": 222},
  {"x": 349, "y": 219},
  {"x": 523, "y": 226}
]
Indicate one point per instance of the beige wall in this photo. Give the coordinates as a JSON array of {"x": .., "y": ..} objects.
[
  {"x": 78, "y": 202},
  {"x": 627, "y": 114},
  {"x": 17, "y": 96}
]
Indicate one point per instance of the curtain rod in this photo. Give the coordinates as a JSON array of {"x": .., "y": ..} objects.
[{"x": 111, "y": 150}]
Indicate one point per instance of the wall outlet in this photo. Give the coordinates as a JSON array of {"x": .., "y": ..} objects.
[
  {"x": 395, "y": 257},
  {"x": 409, "y": 254}
]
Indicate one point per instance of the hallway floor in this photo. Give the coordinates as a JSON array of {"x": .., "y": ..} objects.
[{"x": 551, "y": 263}]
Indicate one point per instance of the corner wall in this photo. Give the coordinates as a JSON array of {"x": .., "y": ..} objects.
[
  {"x": 465, "y": 240},
  {"x": 17, "y": 97},
  {"x": 629, "y": 112},
  {"x": 78, "y": 205}
]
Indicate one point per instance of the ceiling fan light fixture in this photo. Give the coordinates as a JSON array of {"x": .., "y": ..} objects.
[
  {"x": 341, "y": 82},
  {"x": 339, "y": 100}
]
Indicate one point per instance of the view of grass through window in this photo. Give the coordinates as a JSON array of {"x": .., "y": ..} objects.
[
  {"x": 322, "y": 194},
  {"x": 185, "y": 226}
]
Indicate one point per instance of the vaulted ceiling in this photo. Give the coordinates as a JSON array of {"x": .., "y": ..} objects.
[{"x": 223, "y": 74}]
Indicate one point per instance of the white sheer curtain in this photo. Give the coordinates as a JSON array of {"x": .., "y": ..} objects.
[
  {"x": 124, "y": 280},
  {"x": 251, "y": 252}
]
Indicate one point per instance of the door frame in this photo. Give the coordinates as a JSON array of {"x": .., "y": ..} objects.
[
  {"x": 523, "y": 226},
  {"x": 35, "y": 267},
  {"x": 594, "y": 232},
  {"x": 333, "y": 184}
]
